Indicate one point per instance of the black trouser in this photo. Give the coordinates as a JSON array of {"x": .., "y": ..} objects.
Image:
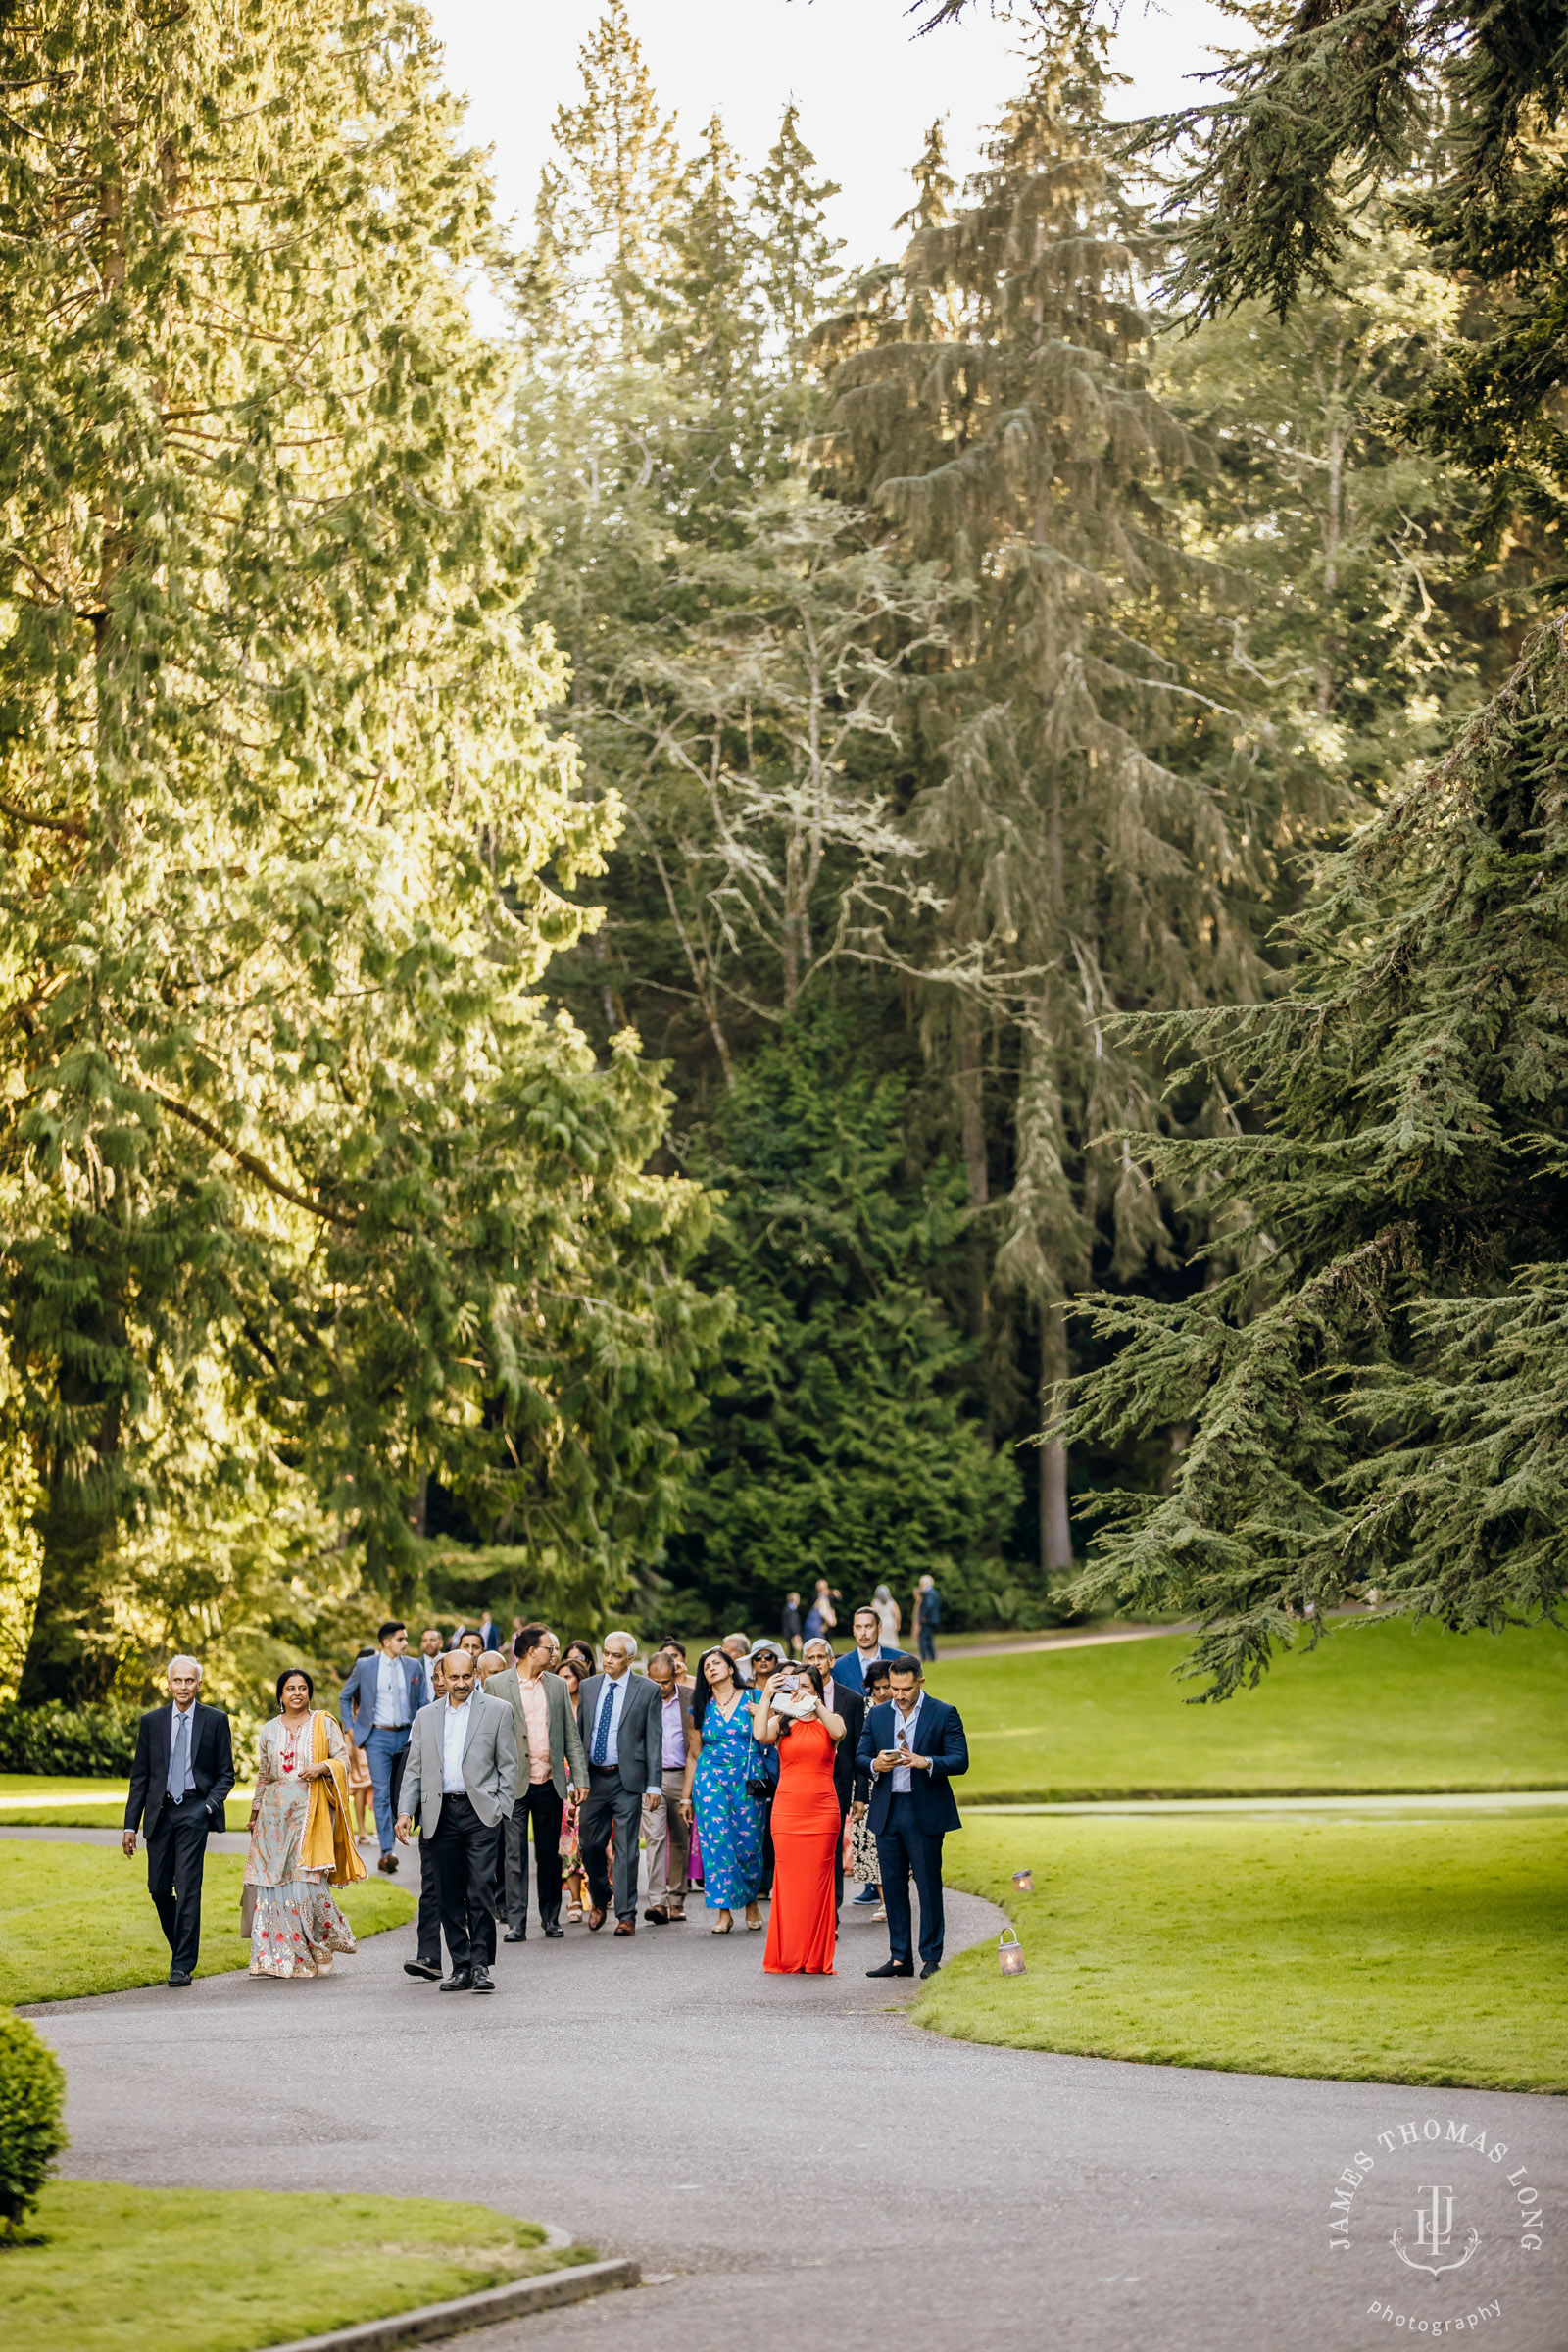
[
  {"x": 766, "y": 1886},
  {"x": 176, "y": 1851},
  {"x": 465, "y": 1853},
  {"x": 428, "y": 1928},
  {"x": 610, "y": 1804},
  {"x": 536, "y": 1799},
  {"x": 902, "y": 1846}
]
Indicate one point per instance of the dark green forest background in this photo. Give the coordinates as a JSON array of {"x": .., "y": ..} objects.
[{"x": 808, "y": 919}]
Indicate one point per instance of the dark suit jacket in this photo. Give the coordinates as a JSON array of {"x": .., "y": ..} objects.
[
  {"x": 356, "y": 1705},
  {"x": 938, "y": 1734},
  {"x": 212, "y": 1766},
  {"x": 849, "y": 1781},
  {"x": 849, "y": 1672},
  {"x": 640, "y": 1738}
]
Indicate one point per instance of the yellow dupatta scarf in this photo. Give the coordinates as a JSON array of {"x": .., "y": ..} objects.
[{"x": 328, "y": 1843}]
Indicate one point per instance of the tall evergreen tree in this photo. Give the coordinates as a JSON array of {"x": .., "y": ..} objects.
[
  {"x": 1383, "y": 1410},
  {"x": 840, "y": 1445},
  {"x": 283, "y": 1112},
  {"x": 1089, "y": 816},
  {"x": 797, "y": 264}
]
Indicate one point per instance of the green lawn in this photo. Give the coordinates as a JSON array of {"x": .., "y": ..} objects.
[
  {"x": 1375, "y": 1707},
  {"x": 136, "y": 2270},
  {"x": 77, "y": 1919},
  {"x": 1403, "y": 1951}
]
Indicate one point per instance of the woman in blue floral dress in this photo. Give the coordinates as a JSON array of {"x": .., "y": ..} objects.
[{"x": 721, "y": 1757}]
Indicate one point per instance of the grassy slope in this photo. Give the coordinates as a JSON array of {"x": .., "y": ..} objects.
[
  {"x": 77, "y": 1919},
  {"x": 1376, "y": 1706},
  {"x": 135, "y": 2270},
  {"x": 1384, "y": 1951}
]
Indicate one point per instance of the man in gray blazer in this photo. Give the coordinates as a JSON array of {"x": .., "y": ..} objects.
[
  {"x": 462, "y": 1774},
  {"x": 549, "y": 1765},
  {"x": 623, "y": 1730}
]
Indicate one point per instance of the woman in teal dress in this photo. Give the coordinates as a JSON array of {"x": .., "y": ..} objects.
[{"x": 721, "y": 1756}]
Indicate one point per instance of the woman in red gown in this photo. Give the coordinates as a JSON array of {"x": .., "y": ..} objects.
[{"x": 803, "y": 1927}]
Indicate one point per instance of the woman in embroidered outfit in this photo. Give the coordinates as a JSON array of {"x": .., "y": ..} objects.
[
  {"x": 721, "y": 1758},
  {"x": 302, "y": 1841}
]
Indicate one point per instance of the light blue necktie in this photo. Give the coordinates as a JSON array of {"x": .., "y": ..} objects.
[
  {"x": 176, "y": 1756},
  {"x": 607, "y": 1708}
]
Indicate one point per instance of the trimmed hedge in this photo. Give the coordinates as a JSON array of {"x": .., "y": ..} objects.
[
  {"x": 32, "y": 2097},
  {"x": 90, "y": 1743}
]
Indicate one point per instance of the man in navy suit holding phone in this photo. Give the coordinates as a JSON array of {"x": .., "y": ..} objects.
[{"x": 912, "y": 1748}]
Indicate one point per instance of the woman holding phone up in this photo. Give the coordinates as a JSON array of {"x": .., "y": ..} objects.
[{"x": 803, "y": 1927}]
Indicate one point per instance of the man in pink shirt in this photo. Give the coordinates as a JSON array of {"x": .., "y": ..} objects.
[
  {"x": 550, "y": 1766},
  {"x": 667, "y": 1830}
]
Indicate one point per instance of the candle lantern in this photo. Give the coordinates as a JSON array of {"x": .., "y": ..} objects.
[
  {"x": 1024, "y": 1880},
  {"x": 1009, "y": 1953}
]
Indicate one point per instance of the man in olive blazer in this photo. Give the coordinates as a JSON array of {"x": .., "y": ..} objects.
[{"x": 547, "y": 1772}]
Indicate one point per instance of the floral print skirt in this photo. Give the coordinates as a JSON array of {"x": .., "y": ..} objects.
[{"x": 295, "y": 1929}]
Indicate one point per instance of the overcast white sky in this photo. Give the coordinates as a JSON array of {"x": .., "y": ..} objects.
[{"x": 866, "y": 86}]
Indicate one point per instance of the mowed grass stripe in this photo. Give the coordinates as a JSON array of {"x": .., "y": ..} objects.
[{"x": 1376, "y": 1709}]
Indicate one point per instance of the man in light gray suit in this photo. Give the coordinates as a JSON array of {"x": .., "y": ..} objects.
[
  {"x": 623, "y": 1730},
  {"x": 461, "y": 1775}
]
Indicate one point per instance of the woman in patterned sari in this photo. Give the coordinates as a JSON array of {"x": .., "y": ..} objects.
[
  {"x": 287, "y": 1911},
  {"x": 721, "y": 1757}
]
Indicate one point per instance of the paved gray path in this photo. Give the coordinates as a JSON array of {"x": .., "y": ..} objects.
[{"x": 800, "y": 2158}]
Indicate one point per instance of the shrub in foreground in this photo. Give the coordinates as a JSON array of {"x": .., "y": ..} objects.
[{"x": 32, "y": 2093}]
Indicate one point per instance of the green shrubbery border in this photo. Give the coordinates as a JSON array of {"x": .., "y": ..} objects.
[{"x": 94, "y": 1743}]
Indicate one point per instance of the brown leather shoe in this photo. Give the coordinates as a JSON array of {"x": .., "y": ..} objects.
[
  {"x": 625, "y": 1926},
  {"x": 596, "y": 1917}
]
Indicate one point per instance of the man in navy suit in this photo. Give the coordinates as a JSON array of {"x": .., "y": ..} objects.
[
  {"x": 912, "y": 1748},
  {"x": 377, "y": 1704},
  {"x": 848, "y": 1672},
  {"x": 182, "y": 1771}
]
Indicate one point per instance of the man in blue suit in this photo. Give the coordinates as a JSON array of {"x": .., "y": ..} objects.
[
  {"x": 912, "y": 1748},
  {"x": 849, "y": 1670},
  {"x": 377, "y": 1704}
]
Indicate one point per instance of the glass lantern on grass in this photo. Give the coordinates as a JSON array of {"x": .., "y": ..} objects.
[{"x": 1009, "y": 1953}]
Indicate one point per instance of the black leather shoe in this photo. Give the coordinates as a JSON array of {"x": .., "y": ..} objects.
[
  {"x": 930, "y": 1969},
  {"x": 482, "y": 1980},
  {"x": 180, "y": 1976},
  {"x": 660, "y": 1919},
  {"x": 430, "y": 1970},
  {"x": 553, "y": 1931},
  {"x": 515, "y": 1936},
  {"x": 893, "y": 1967},
  {"x": 459, "y": 1981}
]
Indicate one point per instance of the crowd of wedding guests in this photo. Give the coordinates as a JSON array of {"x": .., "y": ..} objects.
[{"x": 765, "y": 1775}]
